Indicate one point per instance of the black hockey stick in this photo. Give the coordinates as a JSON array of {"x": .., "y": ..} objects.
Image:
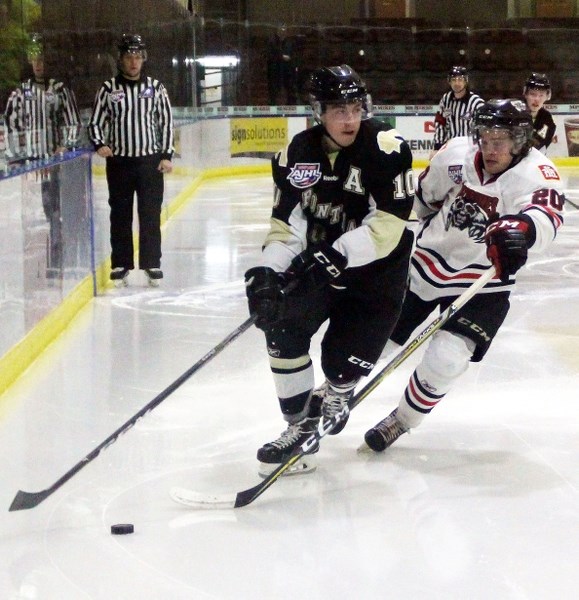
[
  {"x": 24, "y": 500},
  {"x": 245, "y": 497}
]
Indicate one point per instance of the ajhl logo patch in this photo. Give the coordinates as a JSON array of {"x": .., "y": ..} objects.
[{"x": 304, "y": 175}]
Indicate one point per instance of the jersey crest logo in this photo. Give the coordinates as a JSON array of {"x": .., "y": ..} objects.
[
  {"x": 455, "y": 173},
  {"x": 148, "y": 92},
  {"x": 117, "y": 96},
  {"x": 470, "y": 212},
  {"x": 304, "y": 175},
  {"x": 549, "y": 172}
]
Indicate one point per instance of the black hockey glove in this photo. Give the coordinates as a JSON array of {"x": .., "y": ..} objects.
[
  {"x": 318, "y": 265},
  {"x": 508, "y": 240},
  {"x": 263, "y": 288}
]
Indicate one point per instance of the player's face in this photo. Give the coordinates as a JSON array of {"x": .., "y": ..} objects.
[
  {"x": 342, "y": 122},
  {"x": 535, "y": 99},
  {"x": 458, "y": 84},
  {"x": 496, "y": 146},
  {"x": 131, "y": 64}
]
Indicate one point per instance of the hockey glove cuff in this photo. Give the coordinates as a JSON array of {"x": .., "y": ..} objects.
[
  {"x": 508, "y": 239},
  {"x": 263, "y": 288},
  {"x": 316, "y": 266}
]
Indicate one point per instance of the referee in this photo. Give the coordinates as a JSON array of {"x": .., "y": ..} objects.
[
  {"x": 456, "y": 109},
  {"x": 132, "y": 127},
  {"x": 42, "y": 120}
]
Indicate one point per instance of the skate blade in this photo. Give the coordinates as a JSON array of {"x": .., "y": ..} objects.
[
  {"x": 364, "y": 449},
  {"x": 154, "y": 282},
  {"x": 121, "y": 283},
  {"x": 307, "y": 464}
]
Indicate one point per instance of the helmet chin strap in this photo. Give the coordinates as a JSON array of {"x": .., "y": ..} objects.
[{"x": 327, "y": 134}]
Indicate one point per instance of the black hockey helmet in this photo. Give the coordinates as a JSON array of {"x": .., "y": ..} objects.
[
  {"x": 132, "y": 43},
  {"x": 336, "y": 85},
  {"x": 508, "y": 114},
  {"x": 457, "y": 71},
  {"x": 538, "y": 81}
]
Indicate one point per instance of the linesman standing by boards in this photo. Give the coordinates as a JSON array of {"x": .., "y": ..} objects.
[
  {"x": 456, "y": 108},
  {"x": 43, "y": 121},
  {"x": 132, "y": 128}
]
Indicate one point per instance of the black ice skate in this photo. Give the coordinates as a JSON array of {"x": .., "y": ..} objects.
[
  {"x": 120, "y": 276},
  {"x": 385, "y": 433},
  {"x": 333, "y": 402},
  {"x": 154, "y": 276},
  {"x": 272, "y": 454}
]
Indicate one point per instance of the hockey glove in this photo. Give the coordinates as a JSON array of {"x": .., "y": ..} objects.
[
  {"x": 319, "y": 265},
  {"x": 508, "y": 240},
  {"x": 263, "y": 288}
]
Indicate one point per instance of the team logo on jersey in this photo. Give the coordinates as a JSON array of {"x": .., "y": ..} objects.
[
  {"x": 117, "y": 96},
  {"x": 470, "y": 212},
  {"x": 455, "y": 173},
  {"x": 148, "y": 92},
  {"x": 304, "y": 175},
  {"x": 549, "y": 172}
]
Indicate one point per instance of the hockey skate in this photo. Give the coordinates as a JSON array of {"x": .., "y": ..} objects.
[
  {"x": 272, "y": 454},
  {"x": 154, "y": 276},
  {"x": 120, "y": 276},
  {"x": 385, "y": 433},
  {"x": 333, "y": 402}
]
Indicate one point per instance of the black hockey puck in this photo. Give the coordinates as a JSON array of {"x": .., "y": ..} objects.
[{"x": 122, "y": 529}]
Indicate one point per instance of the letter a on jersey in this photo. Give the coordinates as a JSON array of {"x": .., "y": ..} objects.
[{"x": 354, "y": 181}]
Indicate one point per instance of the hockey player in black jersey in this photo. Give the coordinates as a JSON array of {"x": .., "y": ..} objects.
[
  {"x": 537, "y": 91},
  {"x": 343, "y": 194}
]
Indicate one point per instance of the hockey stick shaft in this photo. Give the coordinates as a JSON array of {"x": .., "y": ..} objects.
[
  {"x": 245, "y": 497},
  {"x": 24, "y": 500}
]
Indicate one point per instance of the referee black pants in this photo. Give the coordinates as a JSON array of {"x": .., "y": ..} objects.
[{"x": 127, "y": 176}]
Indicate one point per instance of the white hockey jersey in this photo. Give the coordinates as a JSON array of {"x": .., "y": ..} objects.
[{"x": 455, "y": 200}]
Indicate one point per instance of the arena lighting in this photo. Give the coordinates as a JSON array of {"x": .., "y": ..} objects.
[{"x": 218, "y": 61}]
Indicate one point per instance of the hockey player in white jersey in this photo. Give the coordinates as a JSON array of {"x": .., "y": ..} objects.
[{"x": 491, "y": 198}]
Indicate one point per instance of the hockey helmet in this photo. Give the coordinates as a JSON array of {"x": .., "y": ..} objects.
[
  {"x": 457, "y": 71},
  {"x": 538, "y": 81},
  {"x": 132, "y": 43},
  {"x": 508, "y": 114},
  {"x": 337, "y": 85}
]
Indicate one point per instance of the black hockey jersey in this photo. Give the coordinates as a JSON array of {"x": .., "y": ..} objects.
[
  {"x": 358, "y": 199},
  {"x": 543, "y": 129}
]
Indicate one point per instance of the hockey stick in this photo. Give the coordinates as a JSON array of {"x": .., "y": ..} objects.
[
  {"x": 25, "y": 500},
  {"x": 243, "y": 498}
]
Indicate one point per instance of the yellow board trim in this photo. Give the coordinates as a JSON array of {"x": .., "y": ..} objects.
[{"x": 16, "y": 360}]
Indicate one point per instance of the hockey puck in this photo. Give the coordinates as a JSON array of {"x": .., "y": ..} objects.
[{"x": 122, "y": 529}]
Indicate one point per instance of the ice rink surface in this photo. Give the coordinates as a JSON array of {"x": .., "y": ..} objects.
[{"x": 480, "y": 502}]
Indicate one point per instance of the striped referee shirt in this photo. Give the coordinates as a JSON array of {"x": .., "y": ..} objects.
[
  {"x": 133, "y": 118},
  {"x": 454, "y": 116},
  {"x": 39, "y": 118}
]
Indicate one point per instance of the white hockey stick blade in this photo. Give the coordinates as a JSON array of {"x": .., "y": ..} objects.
[{"x": 204, "y": 501}]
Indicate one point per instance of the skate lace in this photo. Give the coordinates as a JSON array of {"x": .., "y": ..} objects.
[
  {"x": 290, "y": 436},
  {"x": 334, "y": 404},
  {"x": 390, "y": 427}
]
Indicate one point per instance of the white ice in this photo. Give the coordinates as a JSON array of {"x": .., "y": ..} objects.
[{"x": 480, "y": 502}]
